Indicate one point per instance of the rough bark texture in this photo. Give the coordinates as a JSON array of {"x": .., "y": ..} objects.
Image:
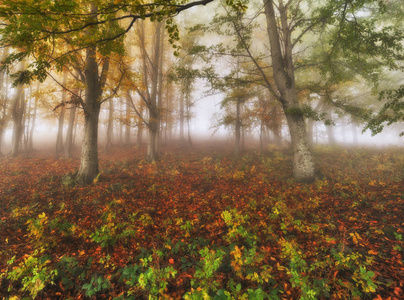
[
  {"x": 92, "y": 104},
  {"x": 89, "y": 151},
  {"x": 283, "y": 72},
  {"x": 154, "y": 115},
  {"x": 69, "y": 132},
  {"x": 17, "y": 114}
]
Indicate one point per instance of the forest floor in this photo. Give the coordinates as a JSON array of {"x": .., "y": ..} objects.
[{"x": 201, "y": 224}]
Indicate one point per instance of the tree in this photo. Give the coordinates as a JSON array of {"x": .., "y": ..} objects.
[
  {"x": 61, "y": 117},
  {"x": 36, "y": 28},
  {"x": 17, "y": 115},
  {"x": 3, "y": 98}
]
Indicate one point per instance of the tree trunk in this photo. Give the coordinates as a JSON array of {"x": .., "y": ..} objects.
[
  {"x": 17, "y": 113},
  {"x": 59, "y": 137},
  {"x": 3, "y": 99},
  {"x": 160, "y": 83},
  {"x": 120, "y": 128},
  {"x": 108, "y": 144},
  {"x": 283, "y": 72},
  {"x": 189, "y": 124},
  {"x": 92, "y": 105},
  {"x": 182, "y": 114},
  {"x": 238, "y": 127},
  {"x": 330, "y": 128},
  {"x": 69, "y": 133},
  {"x": 89, "y": 150},
  {"x": 31, "y": 133},
  {"x": 140, "y": 127},
  {"x": 127, "y": 122},
  {"x": 154, "y": 115}
]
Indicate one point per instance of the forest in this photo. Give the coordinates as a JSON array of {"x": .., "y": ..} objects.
[{"x": 202, "y": 149}]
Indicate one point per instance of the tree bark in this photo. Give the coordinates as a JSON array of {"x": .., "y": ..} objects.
[
  {"x": 110, "y": 124},
  {"x": 238, "y": 127},
  {"x": 3, "y": 99},
  {"x": 69, "y": 132},
  {"x": 95, "y": 83},
  {"x": 59, "y": 137},
  {"x": 140, "y": 127},
  {"x": 154, "y": 115},
  {"x": 33, "y": 123},
  {"x": 127, "y": 121},
  {"x": 182, "y": 114},
  {"x": 283, "y": 72},
  {"x": 17, "y": 114}
]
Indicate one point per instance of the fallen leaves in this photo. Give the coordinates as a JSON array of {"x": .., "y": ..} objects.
[{"x": 165, "y": 213}]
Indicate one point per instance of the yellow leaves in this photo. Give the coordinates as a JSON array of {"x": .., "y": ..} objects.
[
  {"x": 376, "y": 182},
  {"x": 355, "y": 237},
  {"x": 96, "y": 179},
  {"x": 238, "y": 175},
  {"x": 237, "y": 261}
]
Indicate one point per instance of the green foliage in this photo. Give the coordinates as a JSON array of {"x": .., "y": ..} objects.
[
  {"x": 97, "y": 284},
  {"x": 70, "y": 272},
  {"x": 234, "y": 221},
  {"x": 33, "y": 274},
  {"x": 38, "y": 229},
  {"x": 205, "y": 282},
  {"x": 112, "y": 232},
  {"x": 392, "y": 111}
]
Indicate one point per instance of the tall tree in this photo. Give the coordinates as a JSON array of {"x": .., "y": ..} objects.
[
  {"x": 3, "y": 98},
  {"x": 37, "y": 27},
  {"x": 61, "y": 117},
  {"x": 17, "y": 114}
]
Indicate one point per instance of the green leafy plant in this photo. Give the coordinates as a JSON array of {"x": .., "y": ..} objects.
[
  {"x": 33, "y": 274},
  {"x": 97, "y": 284}
]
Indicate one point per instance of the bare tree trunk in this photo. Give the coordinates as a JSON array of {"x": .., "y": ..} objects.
[
  {"x": 127, "y": 122},
  {"x": 238, "y": 127},
  {"x": 283, "y": 72},
  {"x": 189, "y": 124},
  {"x": 110, "y": 127},
  {"x": 69, "y": 133},
  {"x": 89, "y": 168},
  {"x": 31, "y": 133},
  {"x": 182, "y": 114},
  {"x": 140, "y": 127},
  {"x": 154, "y": 116},
  {"x": 160, "y": 83},
  {"x": 3, "y": 99},
  {"x": 17, "y": 114},
  {"x": 120, "y": 128},
  {"x": 330, "y": 128},
  {"x": 59, "y": 137}
]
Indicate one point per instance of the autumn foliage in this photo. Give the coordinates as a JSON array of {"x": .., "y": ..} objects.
[{"x": 201, "y": 224}]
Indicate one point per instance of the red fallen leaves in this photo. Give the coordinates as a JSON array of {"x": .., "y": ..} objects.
[{"x": 189, "y": 187}]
